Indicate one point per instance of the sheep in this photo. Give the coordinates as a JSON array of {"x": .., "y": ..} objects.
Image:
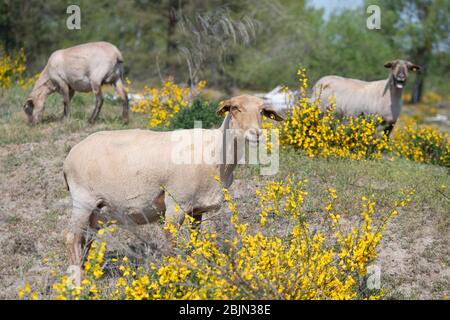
[
  {"x": 82, "y": 68},
  {"x": 139, "y": 173},
  {"x": 355, "y": 97}
]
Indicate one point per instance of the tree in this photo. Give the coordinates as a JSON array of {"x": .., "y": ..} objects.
[{"x": 252, "y": 44}]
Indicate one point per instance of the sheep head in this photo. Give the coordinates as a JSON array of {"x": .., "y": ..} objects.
[
  {"x": 399, "y": 71},
  {"x": 246, "y": 116}
]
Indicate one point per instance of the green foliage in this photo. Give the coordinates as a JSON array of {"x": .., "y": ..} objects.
[
  {"x": 420, "y": 29},
  {"x": 249, "y": 44},
  {"x": 355, "y": 51},
  {"x": 200, "y": 110}
]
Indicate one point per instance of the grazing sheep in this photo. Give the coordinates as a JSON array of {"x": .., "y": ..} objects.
[
  {"x": 356, "y": 97},
  {"x": 138, "y": 174},
  {"x": 82, "y": 68}
]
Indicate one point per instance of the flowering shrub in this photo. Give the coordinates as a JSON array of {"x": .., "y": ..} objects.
[
  {"x": 11, "y": 69},
  {"x": 358, "y": 137},
  {"x": 162, "y": 104},
  {"x": 422, "y": 144},
  {"x": 326, "y": 135},
  {"x": 271, "y": 133},
  {"x": 93, "y": 271},
  {"x": 431, "y": 97},
  {"x": 302, "y": 262},
  {"x": 26, "y": 293}
]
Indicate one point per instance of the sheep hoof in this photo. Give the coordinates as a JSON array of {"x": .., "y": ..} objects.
[{"x": 74, "y": 272}]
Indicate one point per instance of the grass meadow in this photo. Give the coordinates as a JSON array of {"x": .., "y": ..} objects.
[{"x": 35, "y": 206}]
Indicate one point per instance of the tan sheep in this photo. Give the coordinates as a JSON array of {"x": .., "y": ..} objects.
[
  {"x": 138, "y": 174},
  {"x": 356, "y": 97},
  {"x": 82, "y": 68}
]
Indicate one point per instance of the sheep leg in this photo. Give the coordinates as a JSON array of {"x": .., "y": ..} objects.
[
  {"x": 67, "y": 99},
  {"x": 388, "y": 129},
  {"x": 64, "y": 90},
  {"x": 197, "y": 220},
  {"x": 98, "y": 103},
  {"x": 74, "y": 242},
  {"x": 120, "y": 89}
]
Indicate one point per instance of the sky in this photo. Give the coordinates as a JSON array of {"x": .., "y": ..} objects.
[{"x": 335, "y": 5}]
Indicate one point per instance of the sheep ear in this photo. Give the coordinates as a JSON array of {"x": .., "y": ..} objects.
[
  {"x": 414, "y": 67},
  {"x": 224, "y": 106},
  {"x": 28, "y": 107},
  {"x": 388, "y": 64},
  {"x": 270, "y": 113}
]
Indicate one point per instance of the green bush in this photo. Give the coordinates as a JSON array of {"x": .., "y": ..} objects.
[{"x": 200, "y": 110}]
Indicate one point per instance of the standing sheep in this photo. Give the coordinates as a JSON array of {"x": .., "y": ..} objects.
[
  {"x": 82, "y": 68},
  {"x": 140, "y": 175},
  {"x": 356, "y": 97}
]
